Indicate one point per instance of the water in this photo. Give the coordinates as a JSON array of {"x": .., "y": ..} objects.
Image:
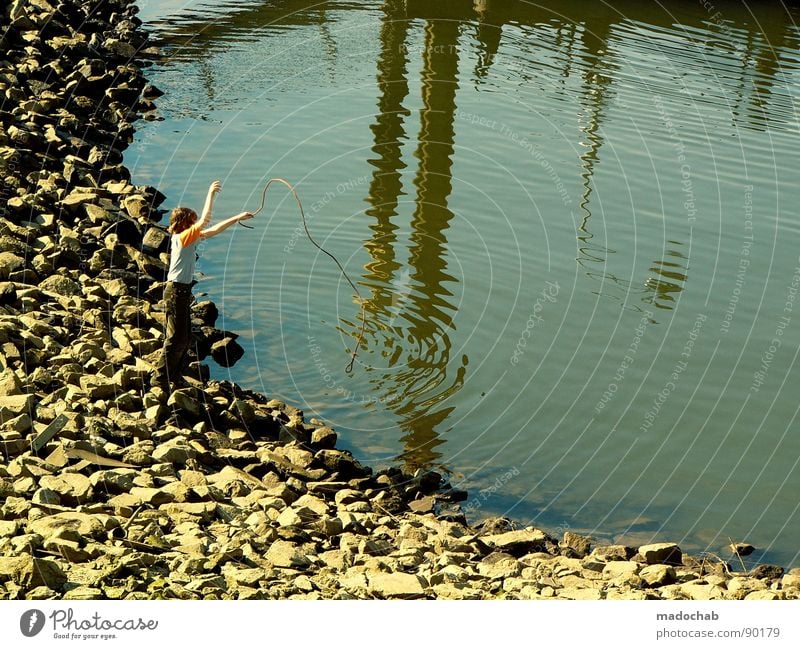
[{"x": 574, "y": 228}]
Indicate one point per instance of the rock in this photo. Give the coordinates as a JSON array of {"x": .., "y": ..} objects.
[
  {"x": 227, "y": 351},
  {"x": 767, "y": 571},
  {"x": 323, "y": 437},
  {"x": 668, "y": 553},
  {"x": 9, "y": 262},
  {"x": 10, "y": 385},
  {"x": 84, "y": 593},
  {"x": 581, "y": 545},
  {"x": 185, "y": 402},
  {"x": 741, "y": 549},
  {"x": 283, "y": 554},
  {"x": 694, "y": 590},
  {"x": 85, "y": 525},
  {"x": 517, "y": 542},
  {"x": 579, "y": 593},
  {"x": 614, "y": 569},
  {"x": 152, "y": 496},
  {"x": 60, "y": 285},
  {"x": 740, "y": 586},
  {"x": 156, "y": 241},
  {"x": 657, "y": 575},
  {"x": 499, "y": 565},
  {"x": 73, "y": 488},
  {"x": 29, "y": 572},
  {"x": 174, "y": 452},
  {"x": 12, "y": 406},
  {"x": 395, "y": 585},
  {"x": 762, "y": 595},
  {"x": 613, "y": 552}
]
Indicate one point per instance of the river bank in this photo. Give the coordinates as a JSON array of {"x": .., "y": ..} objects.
[{"x": 111, "y": 492}]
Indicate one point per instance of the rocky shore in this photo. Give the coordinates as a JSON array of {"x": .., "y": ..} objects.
[{"x": 108, "y": 490}]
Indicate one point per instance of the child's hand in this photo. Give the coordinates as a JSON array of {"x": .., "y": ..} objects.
[
  {"x": 244, "y": 216},
  {"x": 215, "y": 188}
]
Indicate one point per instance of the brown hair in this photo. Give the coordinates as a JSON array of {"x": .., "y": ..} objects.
[{"x": 180, "y": 219}]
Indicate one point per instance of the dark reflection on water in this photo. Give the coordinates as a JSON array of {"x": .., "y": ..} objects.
[{"x": 411, "y": 302}]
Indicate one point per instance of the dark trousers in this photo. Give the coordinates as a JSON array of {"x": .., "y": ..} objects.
[{"x": 179, "y": 333}]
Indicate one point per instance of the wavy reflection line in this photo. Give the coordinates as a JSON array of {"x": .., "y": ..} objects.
[{"x": 411, "y": 310}]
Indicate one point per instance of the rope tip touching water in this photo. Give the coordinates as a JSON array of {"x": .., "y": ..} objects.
[{"x": 349, "y": 367}]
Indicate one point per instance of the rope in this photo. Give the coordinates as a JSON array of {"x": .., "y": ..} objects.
[{"x": 349, "y": 367}]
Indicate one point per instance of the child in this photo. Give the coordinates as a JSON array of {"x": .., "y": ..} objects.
[{"x": 186, "y": 231}]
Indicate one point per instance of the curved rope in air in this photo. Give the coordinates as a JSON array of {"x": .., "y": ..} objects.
[{"x": 349, "y": 367}]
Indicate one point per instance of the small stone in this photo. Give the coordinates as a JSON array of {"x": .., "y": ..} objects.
[
  {"x": 227, "y": 351},
  {"x": 741, "y": 549},
  {"x": 84, "y": 593},
  {"x": 395, "y": 585},
  {"x": 151, "y": 496},
  {"x": 767, "y": 571},
  {"x": 182, "y": 400},
  {"x": 323, "y": 437},
  {"x": 499, "y": 565},
  {"x": 762, "y": 595},
  {"x": 668, "y": 553},
  {"x": 657, "y": 575},
  {"x": 614, "y": 569},
  {"x": 517, "y": 542},
  {"x": 582, "y": 545},
  {"x": 579, "y": 593},
  {"x": 73, "y": 488},
  {"x": 283, "y": 554}
]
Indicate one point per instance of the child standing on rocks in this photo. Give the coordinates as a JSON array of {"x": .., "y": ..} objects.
[{"x": 186, "y": 231}]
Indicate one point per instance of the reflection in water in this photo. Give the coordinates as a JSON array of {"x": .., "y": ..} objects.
[
  {"x": 413, "y": 306},
  {"x": 669, "y": 278}
]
